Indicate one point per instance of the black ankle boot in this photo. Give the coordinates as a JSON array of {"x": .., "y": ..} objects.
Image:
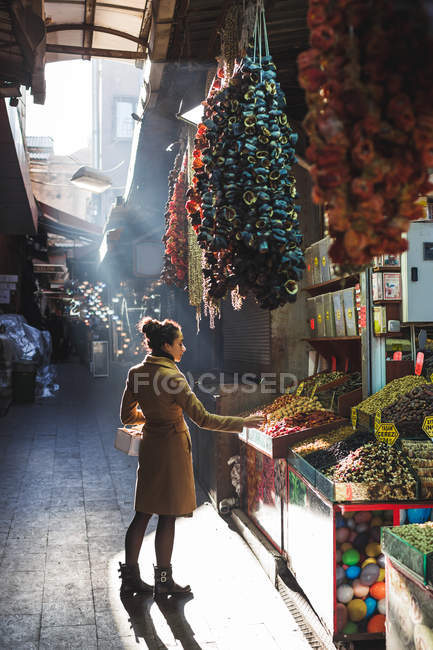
[
  {"x": 131, "y": 580},
  {"x": 164, "y": 583}
]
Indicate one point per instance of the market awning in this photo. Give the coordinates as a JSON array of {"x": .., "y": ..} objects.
[
  {"x": 62, "y": 223},
  {"x": 18, "y": 210},
  {"x": 89, "y": 28}
]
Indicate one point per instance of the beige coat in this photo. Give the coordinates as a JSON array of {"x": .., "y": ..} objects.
[{"x": 165, "y": 479}]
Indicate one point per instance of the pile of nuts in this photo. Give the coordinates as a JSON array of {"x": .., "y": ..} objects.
[
  {"x": 339, "y": 450},
  {"x": 420, "y": 454},
  {"x": 380, "y": 466},
  {"x": 322, "y": 441},
  {"x": 298, "y": 422},
  {"x": 291, "y": 407},
  {"x": 390, "y": 393},
  {"x": 409, "y": 411},
  {"x": 418, "y": 535},
  {"x": 320, "y": 379}
]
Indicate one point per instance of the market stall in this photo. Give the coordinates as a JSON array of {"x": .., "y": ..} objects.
[{"x": 321, "y": 487}]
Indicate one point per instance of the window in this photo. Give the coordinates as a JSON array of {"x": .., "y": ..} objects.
[{"x": 123, "y": 122}]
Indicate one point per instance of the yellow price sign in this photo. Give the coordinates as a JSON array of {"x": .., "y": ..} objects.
[
  {"x": 300, "y": 388},
  {"x": 377, "y": 420},
  {"x": 387, "y": 432},
  {"x": 427, "y": 426},
  {"x": 354, "y": 417}
]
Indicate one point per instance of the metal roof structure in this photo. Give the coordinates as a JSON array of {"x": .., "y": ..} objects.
[{"x": 87, "y": 28}]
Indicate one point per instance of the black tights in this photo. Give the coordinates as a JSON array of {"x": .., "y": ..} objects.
[{"x": 164, "y": 538}]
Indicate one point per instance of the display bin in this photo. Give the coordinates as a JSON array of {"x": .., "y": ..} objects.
[
  {"x": 312, "y": 549},
  {"x": 404, "y": 553},
  {"x": 347, "y": 401},
  {"x": 409, "y": 610},
  {"x": 324, "y": 245},
  {"x": 320, "y": 316},
  {"x": 302, "y": 466},
  {"x": 263, "y": 491},
  {"x": 328, "y": 307},
  {"x": 23, "y": 381},
  {"x": 279, "y": 446}
]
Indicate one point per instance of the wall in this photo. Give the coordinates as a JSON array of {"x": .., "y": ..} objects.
[{"x": 289, "y": 323}]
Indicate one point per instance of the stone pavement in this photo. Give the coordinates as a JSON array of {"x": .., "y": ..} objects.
[{"x": 65, "y": 501}]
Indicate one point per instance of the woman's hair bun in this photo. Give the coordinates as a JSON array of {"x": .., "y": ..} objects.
[{"x": 150, "y": 326}]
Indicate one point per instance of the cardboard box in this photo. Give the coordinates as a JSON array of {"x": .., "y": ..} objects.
[
  {"x": 350, "y": 312},
  {"x": 328, "y": 307},
  {"x": 392, "y": 286},
  {"x": 308, "y": 255},
  {"x": 324, "y": 259},
  {"x": 312, "y": 320},
  {"x": 340, "y": 326},
  {"x": 317, "y": 276},
  {"x": 386, "y": 286},
  {"x": 320, "y": 313},
  {"x": 379, "y": 319}
]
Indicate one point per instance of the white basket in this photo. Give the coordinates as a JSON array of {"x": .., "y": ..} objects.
[{"x": 128, "y": 440}]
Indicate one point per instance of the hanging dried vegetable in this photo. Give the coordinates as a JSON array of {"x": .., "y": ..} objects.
[
  {"x": 175, "y": 238},
  {"x": 242, "y": 202},
  {"x": 368, "y": 79}
]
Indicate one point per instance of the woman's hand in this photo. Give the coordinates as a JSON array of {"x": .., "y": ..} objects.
[{"x": 254, "y": 421}]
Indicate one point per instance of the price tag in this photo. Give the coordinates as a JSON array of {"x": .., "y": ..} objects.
[
  {"x": 387, "y": 432},
  {"x": 354, "y": 417},
  {"x": 427, "y": 426},
  {"x": 300, "y": 388},
  {"x": 397, "y": 356},
  {"x": 419, "y": 363},
  {"x": 377, "y": 420},
  {"x": 333, "y": 363}
]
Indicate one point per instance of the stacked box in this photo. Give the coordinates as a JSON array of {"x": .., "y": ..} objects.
[
  {"x": 312, "y": 319},
  {"x": 328, "y": 308},
  {"x": 324, "y": 259},
  {"x": 320, "y": 314},
  {"x": 317, "y": 276},
  {"x": 350, "y": 311},
  {"x": 340, "y": 326}
]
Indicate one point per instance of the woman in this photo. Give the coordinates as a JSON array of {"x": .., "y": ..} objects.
[{"x": 156, "y": 395}]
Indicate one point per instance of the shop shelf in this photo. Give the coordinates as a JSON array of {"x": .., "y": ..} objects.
[
  {"x": 410, "y": 557},
  {"x": 389, "y": 269},
  {"x": 279, "y": 446},
  {"x": 333, "y": 285},
  {"x": 332, "y": 338}
]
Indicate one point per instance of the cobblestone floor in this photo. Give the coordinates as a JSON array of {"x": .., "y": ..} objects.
[{"x": 65, "y": 502}]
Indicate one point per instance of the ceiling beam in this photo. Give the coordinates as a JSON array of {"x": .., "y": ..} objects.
[
  {"x": 81, "y": 51},
  {"x": 67, "y": 27},
  {"x": 89, "y": 19}
]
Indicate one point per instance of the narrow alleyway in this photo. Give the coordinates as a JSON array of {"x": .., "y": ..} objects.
[{"x": 66, "y": 499}]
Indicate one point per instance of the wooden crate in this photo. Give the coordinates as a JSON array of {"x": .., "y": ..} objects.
[{"x": 279, "y": 447}]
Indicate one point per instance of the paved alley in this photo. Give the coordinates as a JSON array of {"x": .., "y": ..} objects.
[{"x": 66, "y": 499}]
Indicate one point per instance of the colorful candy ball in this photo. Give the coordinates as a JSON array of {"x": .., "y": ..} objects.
[
  {"x": 360, "y": 590},
  {"x": 342, "y": 534},
  {"x": 376, "y": 624},
  {"x": 353, "y": 572},
  {"x": 369, "y": 574},
  {"x": 341, "y": 612},
  {"x": 378, "y": 590},
  {"x": 371, "y": 604},
  {"x": 351, "y": 556},
  {"x": 345, "y": 546},
  {"x": 340, "y": 575},
  {"x": 381, "y": 561},
  {"x": 362, "y": 517},
  {"x": 381, "y": 606},
  {"x": 367, "y": 561},
  {"x": 373, "y": 549},
  {"x": 344, "y": 594},
  {"x": 357, "y": 610},
  {"x": 350, "y": 628}
]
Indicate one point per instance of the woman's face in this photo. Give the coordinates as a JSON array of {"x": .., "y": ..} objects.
[{"x": 176, "y": 349}]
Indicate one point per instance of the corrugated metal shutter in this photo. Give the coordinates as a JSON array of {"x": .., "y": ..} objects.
[{"x": 247, "y": 337}]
